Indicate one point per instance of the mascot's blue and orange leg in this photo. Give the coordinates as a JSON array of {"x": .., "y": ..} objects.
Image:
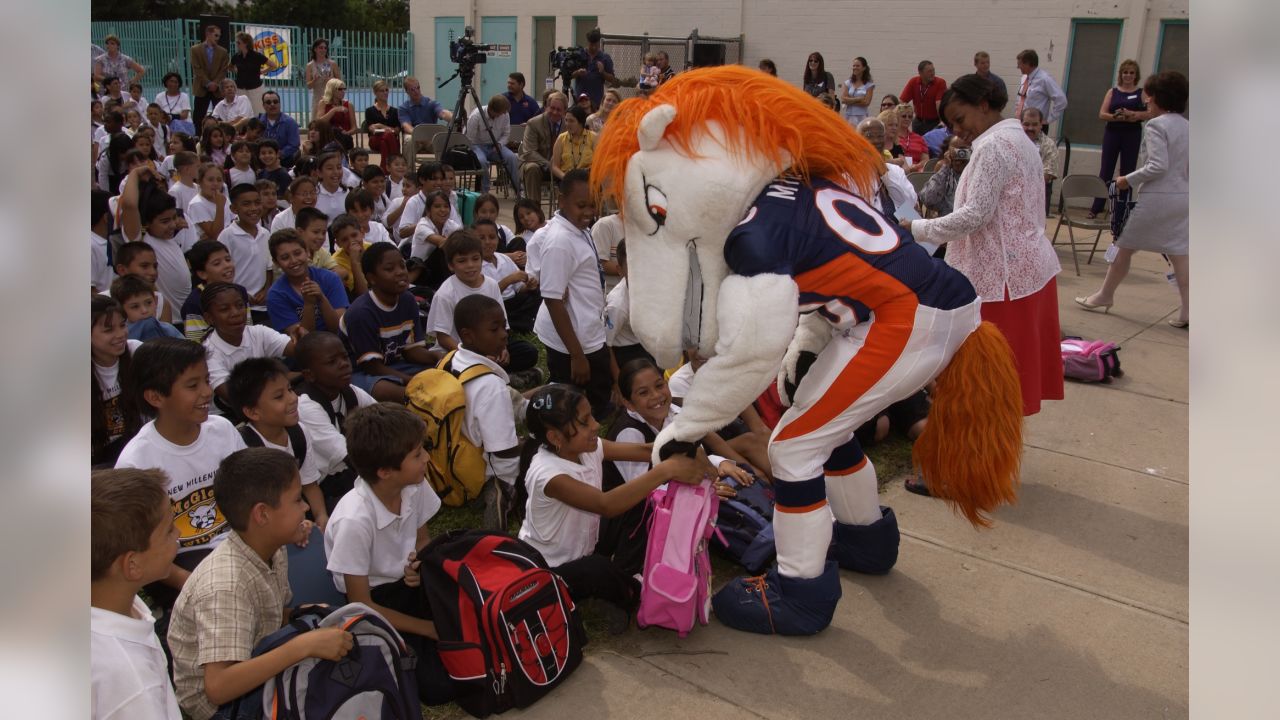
[{"x": 866, "y": 532}]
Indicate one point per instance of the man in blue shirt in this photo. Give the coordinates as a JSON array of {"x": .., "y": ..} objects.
[
  {"x": 279, "y": 127},
  {"x": 523, "y": 107},
  {"x": 982, "y": 67},
  {"x": 420, "y": 109},
  {"x": 599, "y": 70},
  {"x": 935, "y": 139}
]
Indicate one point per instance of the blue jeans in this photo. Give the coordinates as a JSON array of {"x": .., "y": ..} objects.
[{"x": 486, "y": 154}]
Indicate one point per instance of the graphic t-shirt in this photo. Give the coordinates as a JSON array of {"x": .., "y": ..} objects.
[
  {"x": 109, "y": 384},
  {"x": 190, "y": 469},
  {"x": 375, "y": 331}
]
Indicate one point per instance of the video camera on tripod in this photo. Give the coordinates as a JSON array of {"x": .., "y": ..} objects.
[
  {"x": 466, "y": 52},
  {"x": 567, "y": 61}
]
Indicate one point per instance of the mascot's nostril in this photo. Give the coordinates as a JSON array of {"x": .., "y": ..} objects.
[{"x": 691, "y": 333}]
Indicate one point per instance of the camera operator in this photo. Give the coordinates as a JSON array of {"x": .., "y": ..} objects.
[
  {"x": 540, "y": 136},
  {"x": 599, "y": 70},
  {"x": 420, "y": 109}
]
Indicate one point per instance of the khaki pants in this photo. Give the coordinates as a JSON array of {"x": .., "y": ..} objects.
[
  {"x": 532, "y": 176},
  {"x": 255, "y": 98}
]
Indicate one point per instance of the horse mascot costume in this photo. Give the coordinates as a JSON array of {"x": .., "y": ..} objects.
[{"x": 751, "y": 242}]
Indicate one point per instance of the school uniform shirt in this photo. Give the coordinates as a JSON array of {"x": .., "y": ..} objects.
[
  {"x": 323, "y": 437},
  {"x": 109, "y": 383},
  {"x": 392, "y": 205},
  {"x": 129, "y": 675},
  {"x": 420, "y": 247},
  {"x": 607, "y": 233},
  {"x": 440, "y": 317},
  {"x": 183, "y": 195},
  {"x": 174, "y": 279},
  {"x": 533, "y": 251},
  {"x": 490, "y": 422},
  {"x": 284, "y": 303},
  {"x": 235, "y": 177},
  {"x": 377, "y": 332},
  {"x": 365, "y": 538},
  {"x": 570, "y": 271},
  {"x": 376, "y": 233},
  {"x": 201, "y": 210},
  {"x": 248, "y": 250},
  {"x": 632, "y": 470},
  {"x": 190, "y": 470},
  {"x": 332, "y": 204},
  {"x": 258, "y": 341},
  {"x": 501, "y": 268},
  {"x": 617, "y": 317},
  {"x": 100, "y": 271},
  {"x": 229, "y": 604},
  {"x": 350, "y": 178},
  {"x": 309, "y": 471},
  {"x": 680, "y": 381},
  {"x": 415, "y": 208},
  {"x": 560, "y": 532},
  {"x": 283, "y": 219}
]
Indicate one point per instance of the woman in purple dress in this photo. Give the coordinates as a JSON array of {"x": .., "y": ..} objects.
[{"x": 1123, "y": 111}]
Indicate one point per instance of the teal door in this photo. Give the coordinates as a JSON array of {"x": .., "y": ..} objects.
[
  {"x": 501, "y": 33},
  {"x": 448, "y": 95}
]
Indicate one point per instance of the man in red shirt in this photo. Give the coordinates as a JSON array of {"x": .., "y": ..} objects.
[{"x": 924, "y": 92}]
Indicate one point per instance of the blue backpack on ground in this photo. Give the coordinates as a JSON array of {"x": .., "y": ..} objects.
[
  {"x": 374, "y": 680},
  {"x": 745, "y": 523}
]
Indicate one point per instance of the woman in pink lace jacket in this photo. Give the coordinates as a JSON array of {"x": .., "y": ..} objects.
[{"x": 995, "y": 235}]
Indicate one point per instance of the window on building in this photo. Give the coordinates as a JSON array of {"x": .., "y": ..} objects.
[
  {"x": 1172, "y": 52},
  {"x": 582, "y": 24},
  {"x": 1091, "y": 71}
]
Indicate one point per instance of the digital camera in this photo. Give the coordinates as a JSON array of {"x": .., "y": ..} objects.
[{"x": 465, "y": 51}]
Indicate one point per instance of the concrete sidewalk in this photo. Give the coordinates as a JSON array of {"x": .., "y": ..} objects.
[{"x": 1074, "y": 605}]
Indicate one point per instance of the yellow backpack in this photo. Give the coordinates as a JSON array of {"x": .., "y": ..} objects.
[{"x": 457, "y": 469}]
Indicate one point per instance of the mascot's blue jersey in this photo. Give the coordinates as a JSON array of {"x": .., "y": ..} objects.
[{"x": 847, "y": 258}]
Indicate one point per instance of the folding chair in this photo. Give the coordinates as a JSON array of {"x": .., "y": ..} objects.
[
  {"x": 918, "y": 180},
  {"x": 1084, "y": 188},
  {"x": 931, "y": 165},
  {"x": 420, "y": 142}
]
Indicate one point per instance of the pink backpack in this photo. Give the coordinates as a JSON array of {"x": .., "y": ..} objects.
[
  {"x": 1090, "y": 360},
  {"x": 677, "y": 567}
]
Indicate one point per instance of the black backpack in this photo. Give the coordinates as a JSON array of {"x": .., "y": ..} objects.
[
  {"x": 508, "y": 631},
  {"x": 336, "y": 485},
  {"x": 297, "y": 440}
]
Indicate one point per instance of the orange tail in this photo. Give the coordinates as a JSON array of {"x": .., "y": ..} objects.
[{"x": 971, "y": 448}]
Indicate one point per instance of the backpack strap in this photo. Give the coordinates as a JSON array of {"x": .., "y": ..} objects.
[
  {"x": 297, "y": 440},
  {"x": 349, "y": 401},
  {"x": 466, "y": 376}
]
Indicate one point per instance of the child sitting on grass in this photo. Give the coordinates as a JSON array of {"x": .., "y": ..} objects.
[
  {"x": 138, "y": 298},
  {"x": 566, "y": 500},
  {"x": 132, "y": 543},
  {"x": 383, "y": 327},
  {"x": 240, "y": 593},
  {"x": 519, "y": 290},
  {"x": 170, "y": 378},
  {"x": 377, "y": 530},
  {"x": 247, "y": 241},
  {"x": 345, "y": 230},
  {"x": 259, "y": 389},
  {"x": 303, "y": 296},
  {"x": 232, "y": 339}
]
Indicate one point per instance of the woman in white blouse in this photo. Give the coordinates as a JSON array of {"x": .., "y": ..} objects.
[{"x": 995, "y": 235}]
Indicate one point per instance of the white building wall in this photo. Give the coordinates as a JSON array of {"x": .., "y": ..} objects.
[{"x": 894, "y": 35}]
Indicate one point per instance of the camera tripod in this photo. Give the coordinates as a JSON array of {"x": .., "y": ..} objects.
[{"x": 466, "y": 74}]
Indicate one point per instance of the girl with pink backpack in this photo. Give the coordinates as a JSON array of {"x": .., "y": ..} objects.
[{"x": 565, "y": 503}]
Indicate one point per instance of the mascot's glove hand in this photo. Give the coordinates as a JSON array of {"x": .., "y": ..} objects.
[
  {"x": 666, "y": 445},
  {"x": 812, "y": 335}
]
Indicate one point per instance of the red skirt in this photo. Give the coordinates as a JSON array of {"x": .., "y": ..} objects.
[
  {"x": 385, "y": 144},
  {"x": 1030, "y": 324}
]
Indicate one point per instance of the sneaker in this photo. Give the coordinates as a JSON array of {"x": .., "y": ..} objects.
[
  {"x": 497, "y": 505},
  {"x": 773, "y": 604},
  {"x": 870, "y": 549}
]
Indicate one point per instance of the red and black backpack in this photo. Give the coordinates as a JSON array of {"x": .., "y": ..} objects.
[{"x": 508, "y": 630}]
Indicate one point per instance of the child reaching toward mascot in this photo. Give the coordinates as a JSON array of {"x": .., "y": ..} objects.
[{"x": 749, "y": 241}]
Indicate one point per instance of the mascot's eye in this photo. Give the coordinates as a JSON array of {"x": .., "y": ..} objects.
[{"x": 656, "y": 203}]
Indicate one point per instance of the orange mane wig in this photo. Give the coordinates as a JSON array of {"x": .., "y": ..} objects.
[{"x": 769, "y": 115}]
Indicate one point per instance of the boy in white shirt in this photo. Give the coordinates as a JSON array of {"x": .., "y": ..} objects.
[
  {"x": 132, "y": 543},
  {"x": 100, "y": 272},
  {"x": 377, "y": 529},
  {"x": 362, "y": 205},
  {"x": 259, "y": 388},
  {"x": 233, "y": 339},
  {"x": 247, "y": 241},
  {"x": 490, "y": 416},
  {"x": 462, "y": 250},
  {"x": 171, "y": 378},
  {"x": 184, "y": 190},
  {"x": 326, "y": 399},
  {"x": 623, "y": 342},
  {"x": 607, "y": 233},
  {"x": 571, "y": 321}
]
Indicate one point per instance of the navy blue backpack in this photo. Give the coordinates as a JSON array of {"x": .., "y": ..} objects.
[
  {"x": 745, "y": 523},
  {"x": 374, "y": 680}
]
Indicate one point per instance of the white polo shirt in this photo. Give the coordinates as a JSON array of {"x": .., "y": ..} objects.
[
  {"x": 501, "y": 268},
  {"x": 323, "y": 437},
  {"x": 129, "y": 675},
  {"x": 249, "y": 252},
  {"x": 415, "y": 208},
  {"x": 258, "y": 341},
  {"x": 100, "y": 271},
  {"x": 200, "y": 210},
  {"x": 377, "y": 233},
  {"x": 310, "y": 469},
  {"x": 570, "y": 271},
  {"x": 283, "y": 219},
  {"x": 183, "y": 195},
  {"x": 440, "y": 317},
  {"x": 490, "y": 418},
  {"x": 607, "y": 233},
  {"x": 560, "y": 532},
  {"x": 333, "y": 203},
  {"x": 364, "y": 538},
  {"x": 240, "y": 107},
  {"x": 174, "y": 278}
]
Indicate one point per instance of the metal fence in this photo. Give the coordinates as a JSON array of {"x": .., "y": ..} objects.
[
  {"x": 163, "y": 46},
  {"x": 628, "y": 53}
]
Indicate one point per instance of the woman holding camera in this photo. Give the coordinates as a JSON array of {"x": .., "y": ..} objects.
[
  {"x": 1123, "y": 110},
  {"x": 995, "y": 234}
]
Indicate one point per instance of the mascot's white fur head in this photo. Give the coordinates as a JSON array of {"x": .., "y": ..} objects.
[{"x": 685, "y": 164}]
